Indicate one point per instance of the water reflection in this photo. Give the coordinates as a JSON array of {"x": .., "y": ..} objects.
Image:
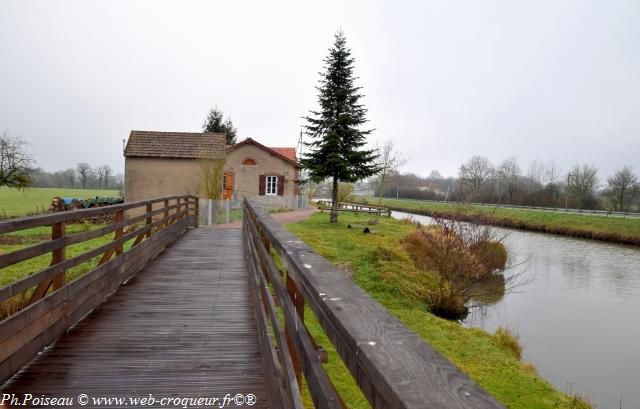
[{"x": 576, "y": 314}]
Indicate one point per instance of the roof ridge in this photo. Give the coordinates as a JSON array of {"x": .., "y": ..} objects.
[{"x": 175, "y": 132}]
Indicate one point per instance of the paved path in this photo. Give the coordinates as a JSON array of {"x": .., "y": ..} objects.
[{"x": 282, "y": 218}]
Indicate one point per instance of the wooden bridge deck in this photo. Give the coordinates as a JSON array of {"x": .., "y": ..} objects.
[{"x": 184, "y": 326}]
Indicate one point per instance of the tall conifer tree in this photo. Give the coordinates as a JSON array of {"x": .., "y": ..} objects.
[
  {"x": 337, "y": 150},
  {"x": 215, "y": 123}
]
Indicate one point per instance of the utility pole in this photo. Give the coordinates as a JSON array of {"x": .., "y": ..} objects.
[
  {"x": 300, "y": 145},
  {"x": 566, "y": 193}
]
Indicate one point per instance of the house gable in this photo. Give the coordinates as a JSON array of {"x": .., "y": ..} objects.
[
  {"x": 285, "y": 154},
  {"x": 251, "y": 165}
]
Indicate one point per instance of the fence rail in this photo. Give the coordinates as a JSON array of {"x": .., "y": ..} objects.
[
  {"x": 354, "y": 207},
  {"x": 45, "y": 304},
  {"x": 393, "y": 367}
]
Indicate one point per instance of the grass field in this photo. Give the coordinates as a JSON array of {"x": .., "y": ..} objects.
[
  {"x": 14, "y": 202},
  {"x": 615, "y": 229},
  {"x": 483, "y": 356}
]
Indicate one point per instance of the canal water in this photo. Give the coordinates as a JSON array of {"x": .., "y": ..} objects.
[{"x": 577, "y": 313}]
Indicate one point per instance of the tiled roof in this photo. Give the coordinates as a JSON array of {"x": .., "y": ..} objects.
[
  {"x": 288, "y": 152},
  {"x": 184, "y": 145}
]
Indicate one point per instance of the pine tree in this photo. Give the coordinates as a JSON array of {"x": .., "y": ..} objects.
[
  {"x": 215, "y": 123},
  {"x": 337, "y": 147}
]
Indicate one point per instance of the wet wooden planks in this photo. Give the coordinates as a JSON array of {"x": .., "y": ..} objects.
[{"x": 182, "y": 327}]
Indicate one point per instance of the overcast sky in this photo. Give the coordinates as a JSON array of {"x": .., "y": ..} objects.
[{"x": 445, "y": 80}]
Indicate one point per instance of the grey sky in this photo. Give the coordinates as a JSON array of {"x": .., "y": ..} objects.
[{"x": 445, "y": 80}]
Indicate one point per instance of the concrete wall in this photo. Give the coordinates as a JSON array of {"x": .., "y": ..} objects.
[{"x": 247, "y": 176}]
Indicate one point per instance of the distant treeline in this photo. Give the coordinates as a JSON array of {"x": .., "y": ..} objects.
[
  {"x": 83, "y": 176},
  {"x": 541, "y": 185}
]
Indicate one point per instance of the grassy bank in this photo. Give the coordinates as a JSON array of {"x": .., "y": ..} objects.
[
  {"x": 612, "y": 229},
  {"x": 376, "y": 264},
  {"x": 14, "y": 202}
]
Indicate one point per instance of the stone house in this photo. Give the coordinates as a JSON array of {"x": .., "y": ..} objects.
[{"x": 168, "y": 163}]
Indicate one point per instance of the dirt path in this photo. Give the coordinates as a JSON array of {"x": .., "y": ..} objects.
[{"x": 282, "y": 218}]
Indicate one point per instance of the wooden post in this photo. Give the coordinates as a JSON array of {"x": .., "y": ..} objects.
[
  {"x": 119, "y": 232},
  {"x": 149, "y": 221},
  {"x": 58, "y": 256},
  {"x": 166, "y": 213},
  {"x": 263, "y": 263},
  {"x": 298, "y": 303},
  {"x": 197, "y": 212},
  {"x": 178, "y": 209}
]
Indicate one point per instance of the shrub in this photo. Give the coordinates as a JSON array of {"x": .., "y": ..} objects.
[
  {"x": 383, "y": 253},
  {"x": 344, "y": 192},
  {"x": 445, "y": 302},
  {"x": 468, "y": 262},
  {"x": 491, "y": 254},
  {"x": 579, "y": 402},
  {"x": 507, "y": 339}
]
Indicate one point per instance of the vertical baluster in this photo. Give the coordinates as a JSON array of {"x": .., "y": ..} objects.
[
  {"x": 149, "y": 219},
  {"x": 58, "y": 256},
  {"x": 119, "y": 231}
]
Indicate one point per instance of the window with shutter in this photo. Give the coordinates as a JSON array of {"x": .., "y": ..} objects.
[
  {"x": 271, "y": 186},
  {"x": 261, "y": 185},
  {"x": 280, "y": 181}
]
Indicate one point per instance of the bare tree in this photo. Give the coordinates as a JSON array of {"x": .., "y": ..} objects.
[
  {"x": 508, "y": 176},
  {"x": 104, "y": 173},
  {"x": 344, "y": 192},
  {"x": 582, "y": 182},
  {"x": 622, "y": 188},
  {"x": 536, "y": 172},
  {"x": 474, "y": 172},
  {"x": 84, "y": 173},
  {"x": 211, "y": 181},
  {"x": 551, "y": 173},
  {"x": 16, "y": 166},
  {"x": 389, "y": 162},
  {"x": 68, "y": 177}
]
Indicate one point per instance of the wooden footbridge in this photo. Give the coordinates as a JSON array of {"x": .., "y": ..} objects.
[{"x": 171, "y": 315}]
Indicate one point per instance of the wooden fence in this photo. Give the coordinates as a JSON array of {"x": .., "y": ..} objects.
[
  {"x": 46, "y": 303},
  {"x": 392, "y": 365},
  {"x": 354, "y": 207}
]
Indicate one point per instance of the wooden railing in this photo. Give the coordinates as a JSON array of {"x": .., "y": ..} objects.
[
  {"x": 393, "y": 367},
  {"x": 45, "y": 304},
  {"x": 354, "y": 207}
]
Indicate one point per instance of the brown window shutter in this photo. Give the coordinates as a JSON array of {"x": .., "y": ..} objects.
[
  {"x": 280, "y": 185},
  {"x": 261, "y": 185}
]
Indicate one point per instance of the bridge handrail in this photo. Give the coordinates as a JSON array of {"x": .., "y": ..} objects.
[
  {"x": 391, "y": 364},
  {"x": 42, "y": 306}
]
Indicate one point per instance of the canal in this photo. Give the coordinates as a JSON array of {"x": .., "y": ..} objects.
[{"x": 577, "y": 313}]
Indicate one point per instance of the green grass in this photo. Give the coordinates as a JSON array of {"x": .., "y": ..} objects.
[
  {"x": 38, "y": 235},
  {"x": 483, "y": 356},
  {"x": 25, "y": 238},
  {"x": 14, "y": 202},
  {"x": 600, "y": 225}
]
